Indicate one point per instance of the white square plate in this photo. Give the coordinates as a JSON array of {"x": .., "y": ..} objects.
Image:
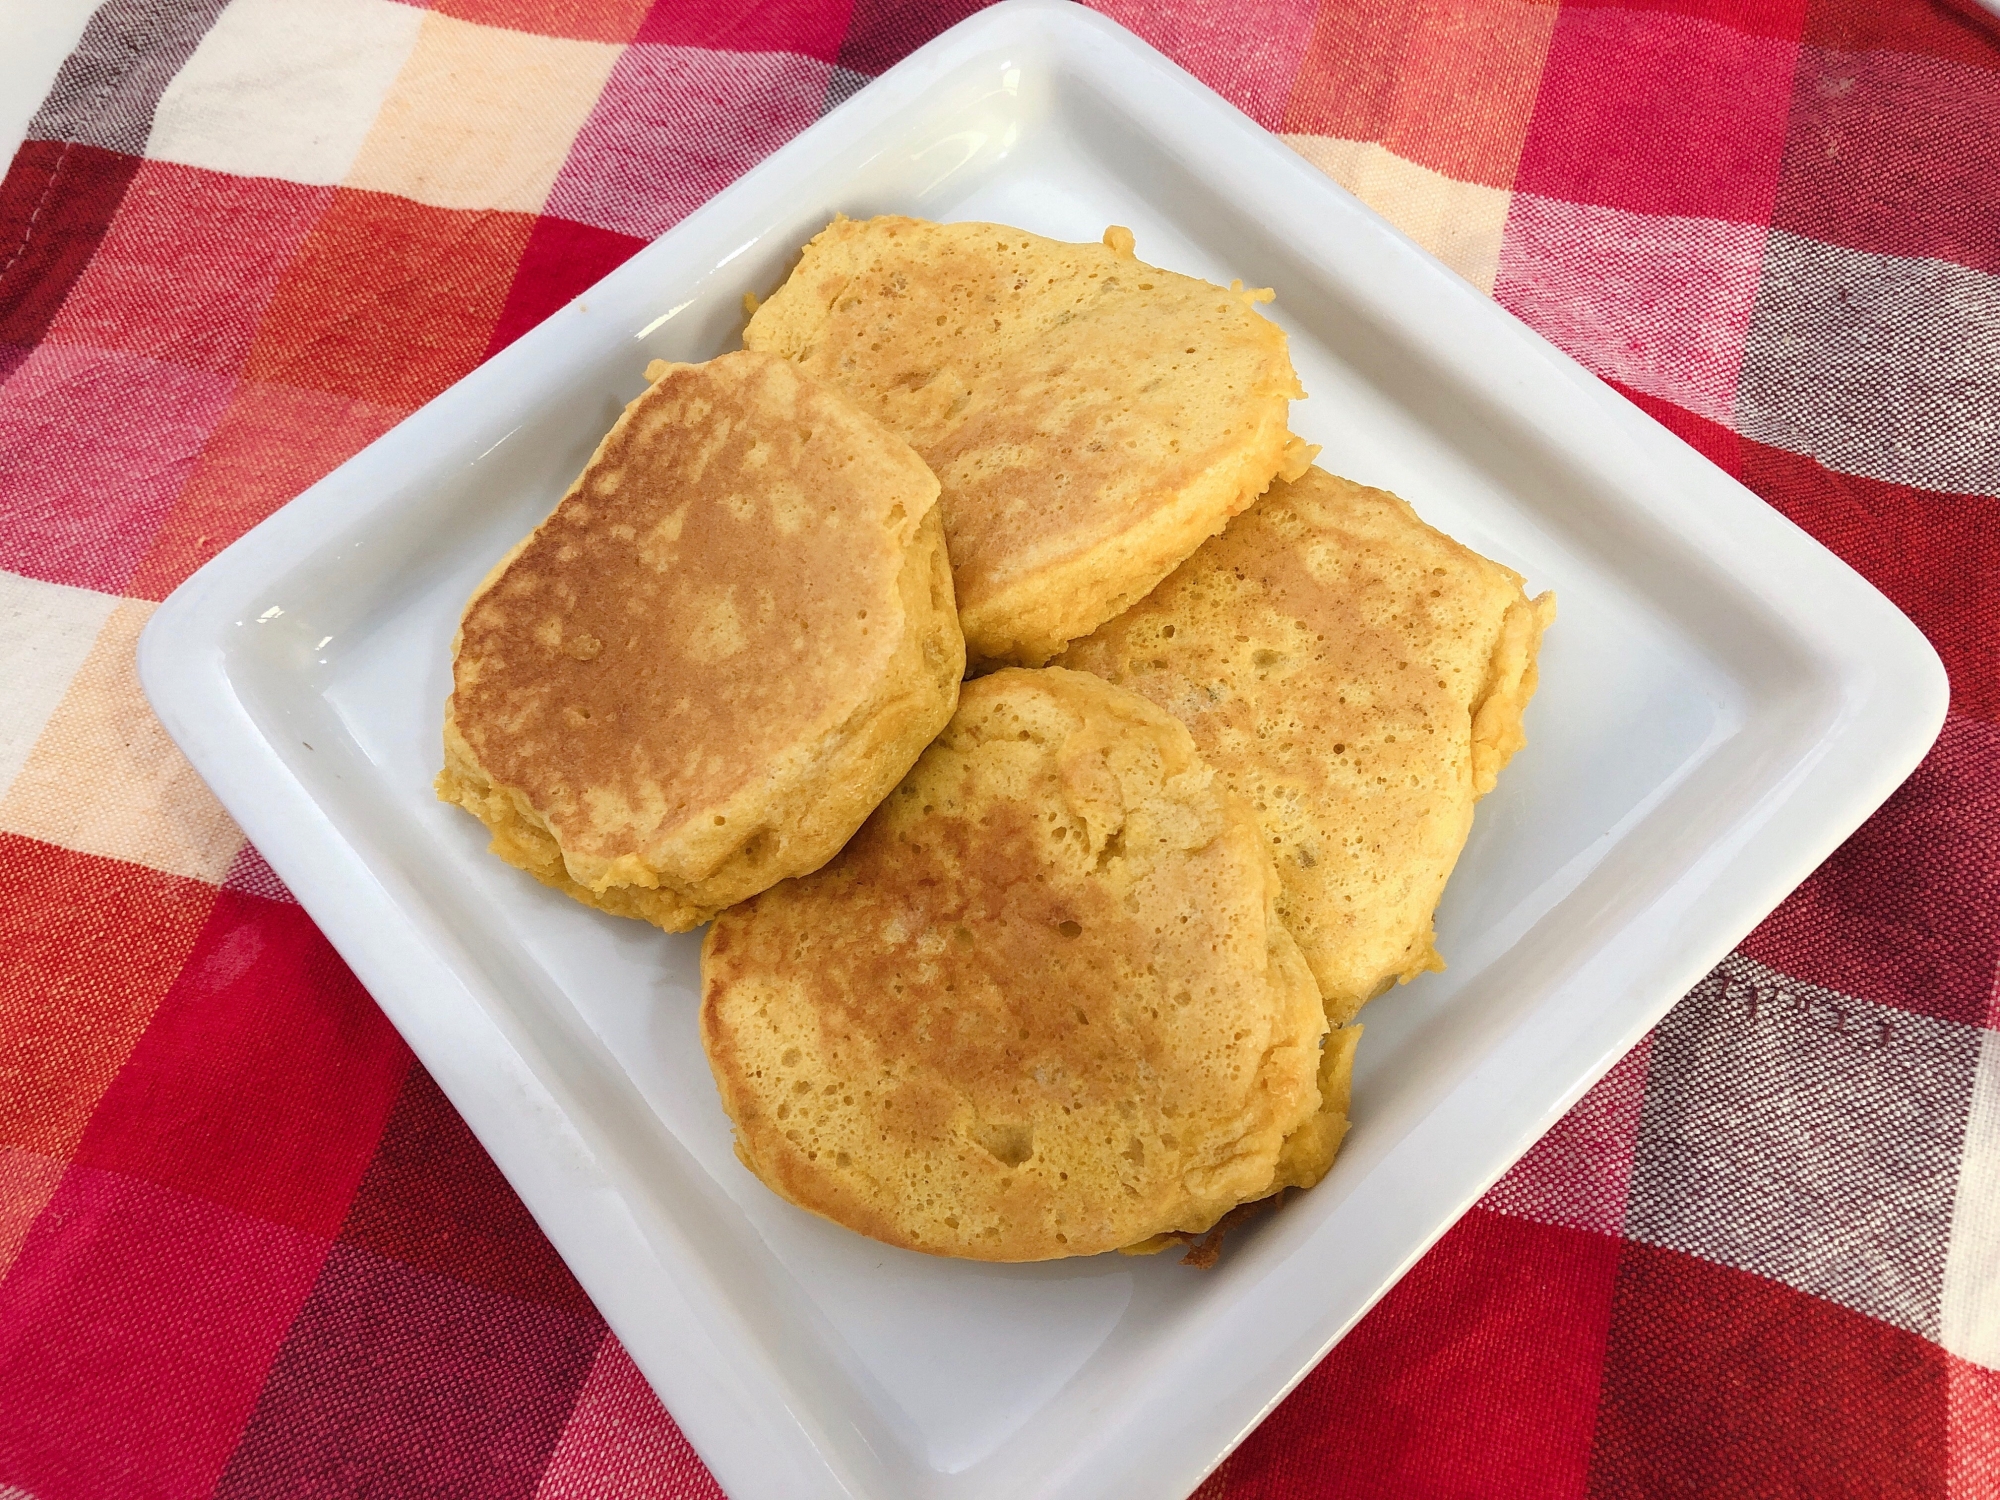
[{"x": 1722, "y": 702}]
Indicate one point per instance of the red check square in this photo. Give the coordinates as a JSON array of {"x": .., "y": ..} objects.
[
  {"x": 1475, "y": 1376},
  {"x": 185, "y": 270},
  {"x": 562, "y": 259},
  {"x": 264, "y": 1079},
  {"x": 1975, "y": 1432},
  {"x": 68, "y": 922},
  {"x": 1779, "y": 18},
  {"x": 1720, "y": 445},
  {"x": 1738, "y": 1386},
  {"x": 1659, "y": 113},
  {"x": 388, "y": 301}
]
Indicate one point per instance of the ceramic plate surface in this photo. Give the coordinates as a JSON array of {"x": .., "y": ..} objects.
[{"x": 1722, "y": 701}]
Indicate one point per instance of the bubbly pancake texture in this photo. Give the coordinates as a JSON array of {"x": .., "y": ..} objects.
[
  {"x": 1360, "y": 678},
  {"x": 727, "y": 643},
  {"x": 1091, "y": 418},
  {"x": 1041, "y": 1005}
]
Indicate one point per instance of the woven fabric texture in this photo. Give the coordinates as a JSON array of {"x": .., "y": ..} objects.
[{"x": 246, "y": 1247}]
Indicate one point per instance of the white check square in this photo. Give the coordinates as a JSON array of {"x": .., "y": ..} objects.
[{"x": 285, "y": 88}]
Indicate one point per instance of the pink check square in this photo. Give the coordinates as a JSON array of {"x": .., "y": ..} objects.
[{"x": 657, "y": 146}]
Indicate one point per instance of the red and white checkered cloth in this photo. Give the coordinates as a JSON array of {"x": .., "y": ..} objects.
[{"x": 246, "y": 1249}]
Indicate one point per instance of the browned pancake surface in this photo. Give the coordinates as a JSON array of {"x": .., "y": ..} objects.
[
  {"x": 1091, "y": 418},
  {"x": 731, "y": 638},
  {"x": 1040, "y": 1006},
  {"x": 1360, "y": 678}
]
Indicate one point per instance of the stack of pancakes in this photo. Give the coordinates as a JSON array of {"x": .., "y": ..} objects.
[{"x": 1066, "y": 959}]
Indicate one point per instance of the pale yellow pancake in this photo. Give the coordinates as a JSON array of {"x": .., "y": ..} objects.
[
  {"x": 731, "y": 638},
  {"x": 1360, "y": 678},
  {"x": 1041, "y": 1005},
  {"x": 1091, "y": 418}
]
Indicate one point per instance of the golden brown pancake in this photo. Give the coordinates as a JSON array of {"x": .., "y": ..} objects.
[
  {"x": 1091, "y": 418},
  {"x": 727, "y": 643},
  {"x": 1041, "y": 1005},
  {"x": 1360, "y": 678}
]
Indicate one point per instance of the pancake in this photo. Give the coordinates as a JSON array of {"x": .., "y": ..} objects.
[
  {"x": 1042, "y": 1005},
  {"x": 726, "y": 644},
  {"x": 1092, "y": 418},
  {"x": 1360, "y": 678}
]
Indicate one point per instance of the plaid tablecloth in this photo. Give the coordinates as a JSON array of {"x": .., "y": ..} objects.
[{"x": 249, "y": 1250}]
